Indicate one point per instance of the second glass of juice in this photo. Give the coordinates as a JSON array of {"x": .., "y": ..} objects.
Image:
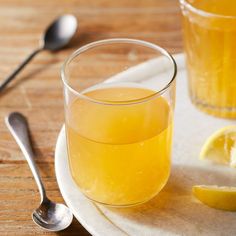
[
  {"x": 119, "y": 101},
  {"x": 210, "y": 36}
]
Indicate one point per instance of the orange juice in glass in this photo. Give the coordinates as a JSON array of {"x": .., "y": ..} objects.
[
  {"x": 210, "y": 36},
  {"x": 119, "y": 131}
]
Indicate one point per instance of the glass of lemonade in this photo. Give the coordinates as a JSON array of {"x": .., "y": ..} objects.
[
  {"x": 210, "y": 36},
  {"x": 119, "y": 101}
]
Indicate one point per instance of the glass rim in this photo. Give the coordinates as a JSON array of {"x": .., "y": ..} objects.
[
  {"x": 204, "y": 13},
  {"x": 113, "y": 41}
]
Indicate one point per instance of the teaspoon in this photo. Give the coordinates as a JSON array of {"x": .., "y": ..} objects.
[
  {"x": 49, "y": 215},
  {"x": 58, "y": 35}
]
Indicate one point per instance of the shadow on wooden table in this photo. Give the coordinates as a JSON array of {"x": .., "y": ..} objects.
[
  {"x": 84, "y": 37},
  {"x": 31, "y": 75},
  {"x": 176, "y": 211},
  {"x": 79, "y": 40},
  {"x": 75, "y": 229}
]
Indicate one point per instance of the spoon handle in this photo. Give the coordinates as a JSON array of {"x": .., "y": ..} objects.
[
  {"x": 18, "y": 126},
  {"x": 7, "y": 80}
]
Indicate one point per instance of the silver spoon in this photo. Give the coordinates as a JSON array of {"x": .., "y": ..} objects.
[
  {"x": 49, "y": 215},
  {"x": 56, "y": 36}
]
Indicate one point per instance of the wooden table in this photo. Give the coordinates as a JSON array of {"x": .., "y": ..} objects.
[{"x": 37, "y": 91}]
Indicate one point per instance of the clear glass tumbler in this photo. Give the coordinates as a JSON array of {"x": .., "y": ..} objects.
[
  {"x": 119, "y": 101},
  {"x": 210, "y": 36}
]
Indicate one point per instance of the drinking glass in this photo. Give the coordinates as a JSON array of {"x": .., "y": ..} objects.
[
  {"x": 209, "y": 37},
  {"x": 119, "y": 97}
]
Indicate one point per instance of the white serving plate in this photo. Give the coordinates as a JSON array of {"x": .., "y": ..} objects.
[{"x": 174, "y": 211}]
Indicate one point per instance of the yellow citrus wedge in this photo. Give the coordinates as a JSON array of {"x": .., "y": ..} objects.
[
  {"x": 223, "y": 198},
  {"x": 220, "y": 147}
]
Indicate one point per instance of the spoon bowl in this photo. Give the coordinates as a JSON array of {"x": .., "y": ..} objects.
[
  {"x": 52, "y": 216},
  {"x": 59, "y": 33}
]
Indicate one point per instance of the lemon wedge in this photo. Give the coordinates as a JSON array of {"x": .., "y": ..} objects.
[
  {"x": 220, "y": 147},
  {"x": 223, "y": 198}
]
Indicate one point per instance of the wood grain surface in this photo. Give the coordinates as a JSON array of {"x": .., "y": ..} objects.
[{"x": 37, "y": 91}]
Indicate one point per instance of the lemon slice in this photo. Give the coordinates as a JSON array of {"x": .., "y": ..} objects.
[
  {"x": 223, "y": 198},
  {"x": 220, "y": 147}
]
